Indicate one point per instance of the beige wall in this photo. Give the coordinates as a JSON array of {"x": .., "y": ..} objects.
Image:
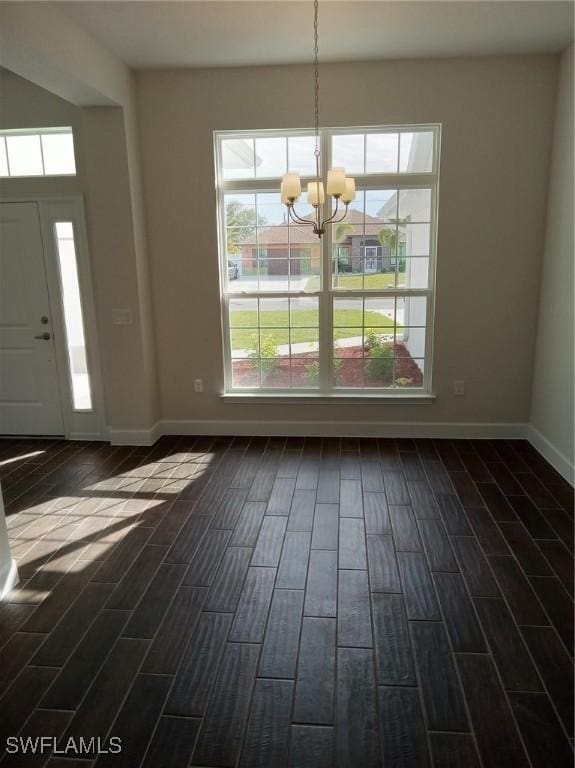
[
  {"x": 497, "y": 117},
  {"x": 552, "y": 404},
  {"x": 106, "y": 160}
]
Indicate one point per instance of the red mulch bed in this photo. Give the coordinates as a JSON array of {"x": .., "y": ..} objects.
[{"x": 352, "y": 371}]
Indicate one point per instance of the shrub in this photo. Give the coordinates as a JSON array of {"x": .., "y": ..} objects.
[
  {"x": 268, "y": 354},
  {"x": 373, "y": 340},
  {"x": 380, "y": 365},
  {"x": 312, "y": 372}
]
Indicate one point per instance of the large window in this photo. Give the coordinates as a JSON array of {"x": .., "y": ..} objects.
[
  {"x": 37, "y": 152},
  {"x": 350, "y": 313}
]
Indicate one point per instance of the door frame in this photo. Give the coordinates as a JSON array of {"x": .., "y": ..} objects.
[{"x": 78, "y": 425}]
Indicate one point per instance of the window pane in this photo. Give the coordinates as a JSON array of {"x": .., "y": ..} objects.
[
  {"x": 304, "y": 341},
  {"x": 305, "y": 371},
  {"x": 408, "y": 372},
  {"x": 271, "y": 210},
  {"x": 348, "y": 312},
  {"x": 238, "y": 158},
  {"x": 380, "y": 311},
  {"x": 416, "y": 152},
  {"x": 245, "y": 343},
  {"x": 273, "y": 273},
  {"x": 24, "y": 155},
  {"x": 73, "y": 320},
  {"x": 415, "y": 239},
  {"x": 378, "y": 370},
  {"x": 348, "y": 372},
  {"x": 274, "y": 313},
  {"x": 271, "y": 157},
  {"x": 58, "y": 151},
  {"x": 304, "y": 312},
  {"x": 414, "y": 205},
  {"x": 246, "y": 373},
  {"x": 377, "y": 339},
  {"x": 301, "y": 157},
  {"x": 305, "y": 268},
  {"x": 348, "y": 152},
  {"x": 411, "y": 310},
  {"x": 412, "y": 273},
  {"x": 241, "y": 259},
  {"x": 410, "y": 342},
  {"x": 240, "y": 210},
  {"x": 380, "y": 205},
  {"x": 275, "y": 357},
  {"x": 243, "y": 313},
  {"x": 3, "y": 158},
  {"x": 346, "y": 339},
  {"x": 381, "y": 152},
  {"x": 276, "y": 372}
]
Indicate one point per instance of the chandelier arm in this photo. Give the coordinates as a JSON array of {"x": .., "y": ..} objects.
[
  {"x": 333, "y": 220},
  {"x": 332, "y": 217},
  {"x": 297, "y": 219}
]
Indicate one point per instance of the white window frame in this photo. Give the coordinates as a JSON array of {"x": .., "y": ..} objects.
[
  {"x": 326, "y": 293},
  {"x": 63, "y": 129}
]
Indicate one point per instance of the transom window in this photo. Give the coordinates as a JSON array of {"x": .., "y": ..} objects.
[
  {"x": 350, "y": 313},
  {"x": 37, "y": 152}
]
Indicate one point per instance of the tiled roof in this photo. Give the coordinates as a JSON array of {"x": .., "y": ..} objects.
[{"x": 303, "y": 235}]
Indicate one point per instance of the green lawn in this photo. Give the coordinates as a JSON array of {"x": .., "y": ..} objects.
[
  {"x": 274, "y": 325},
  {"x": 375, "y": 281}
]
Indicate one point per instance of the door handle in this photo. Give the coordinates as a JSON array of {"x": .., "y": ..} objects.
[{"x": 43, "y": 336}]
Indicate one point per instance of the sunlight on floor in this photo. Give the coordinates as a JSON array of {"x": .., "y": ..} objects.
[{"x": 23, "y": 457}]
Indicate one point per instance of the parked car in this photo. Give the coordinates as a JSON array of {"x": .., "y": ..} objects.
[{"x": 233, "y": 271}]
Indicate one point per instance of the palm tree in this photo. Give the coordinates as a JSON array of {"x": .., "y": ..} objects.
[
  {"x": 342, "y": 229},
  {"x": 388, "y": 237}
]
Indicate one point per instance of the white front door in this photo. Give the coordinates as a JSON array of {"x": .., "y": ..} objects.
[{"x": 29, "y": 390}]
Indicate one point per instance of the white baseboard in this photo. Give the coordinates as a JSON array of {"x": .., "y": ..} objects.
[
  {"x": 8, "y": 579},
  {"x": 143, "y": 437},
  {"x": 344, "y": 429},
  {"x": 553, "y": 455},
  {"x": 88, "y": 436}
]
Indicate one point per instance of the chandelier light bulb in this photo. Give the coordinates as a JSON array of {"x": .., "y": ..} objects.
[
  {"x": 291, "y": 186},
  {"x": 349, "y": 194},
  {"x": 336, "y": 182},
  {"x": 315, "y": 193}
]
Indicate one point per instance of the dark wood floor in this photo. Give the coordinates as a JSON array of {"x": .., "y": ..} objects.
[{"x": 255, "y": 602}]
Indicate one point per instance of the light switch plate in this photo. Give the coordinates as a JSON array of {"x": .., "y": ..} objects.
[
  {"x": 122, "y": 316},
  {"x": 458, "y": 387}
]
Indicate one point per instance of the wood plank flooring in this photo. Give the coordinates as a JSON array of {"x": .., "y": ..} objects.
[{"x": 286, "y": 602}]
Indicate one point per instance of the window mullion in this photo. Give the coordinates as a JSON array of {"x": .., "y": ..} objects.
[{"x": 325, "y": 309}]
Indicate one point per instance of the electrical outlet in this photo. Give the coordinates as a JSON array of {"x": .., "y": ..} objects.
[
  {"x": 458, "y": 387},
  {"x": 198, "y": 385}
]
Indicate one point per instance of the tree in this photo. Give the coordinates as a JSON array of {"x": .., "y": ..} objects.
[
  {"x": 342, "y": 229},
  {"x": 390, "y": 237},
  {"x": 241, "y": 223}
]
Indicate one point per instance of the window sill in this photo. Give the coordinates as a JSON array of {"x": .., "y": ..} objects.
[{"x": 408, "y": 398}]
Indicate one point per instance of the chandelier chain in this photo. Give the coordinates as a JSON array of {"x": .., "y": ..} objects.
[
  {"x": 316, "y": 71},
  {"x": 317, "y": 200}
]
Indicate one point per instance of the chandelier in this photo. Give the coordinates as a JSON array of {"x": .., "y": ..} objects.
[{"x": 339, "y": 186}]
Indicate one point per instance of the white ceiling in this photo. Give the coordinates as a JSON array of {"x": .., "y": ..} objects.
[{"x": 242, "y": 32}]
